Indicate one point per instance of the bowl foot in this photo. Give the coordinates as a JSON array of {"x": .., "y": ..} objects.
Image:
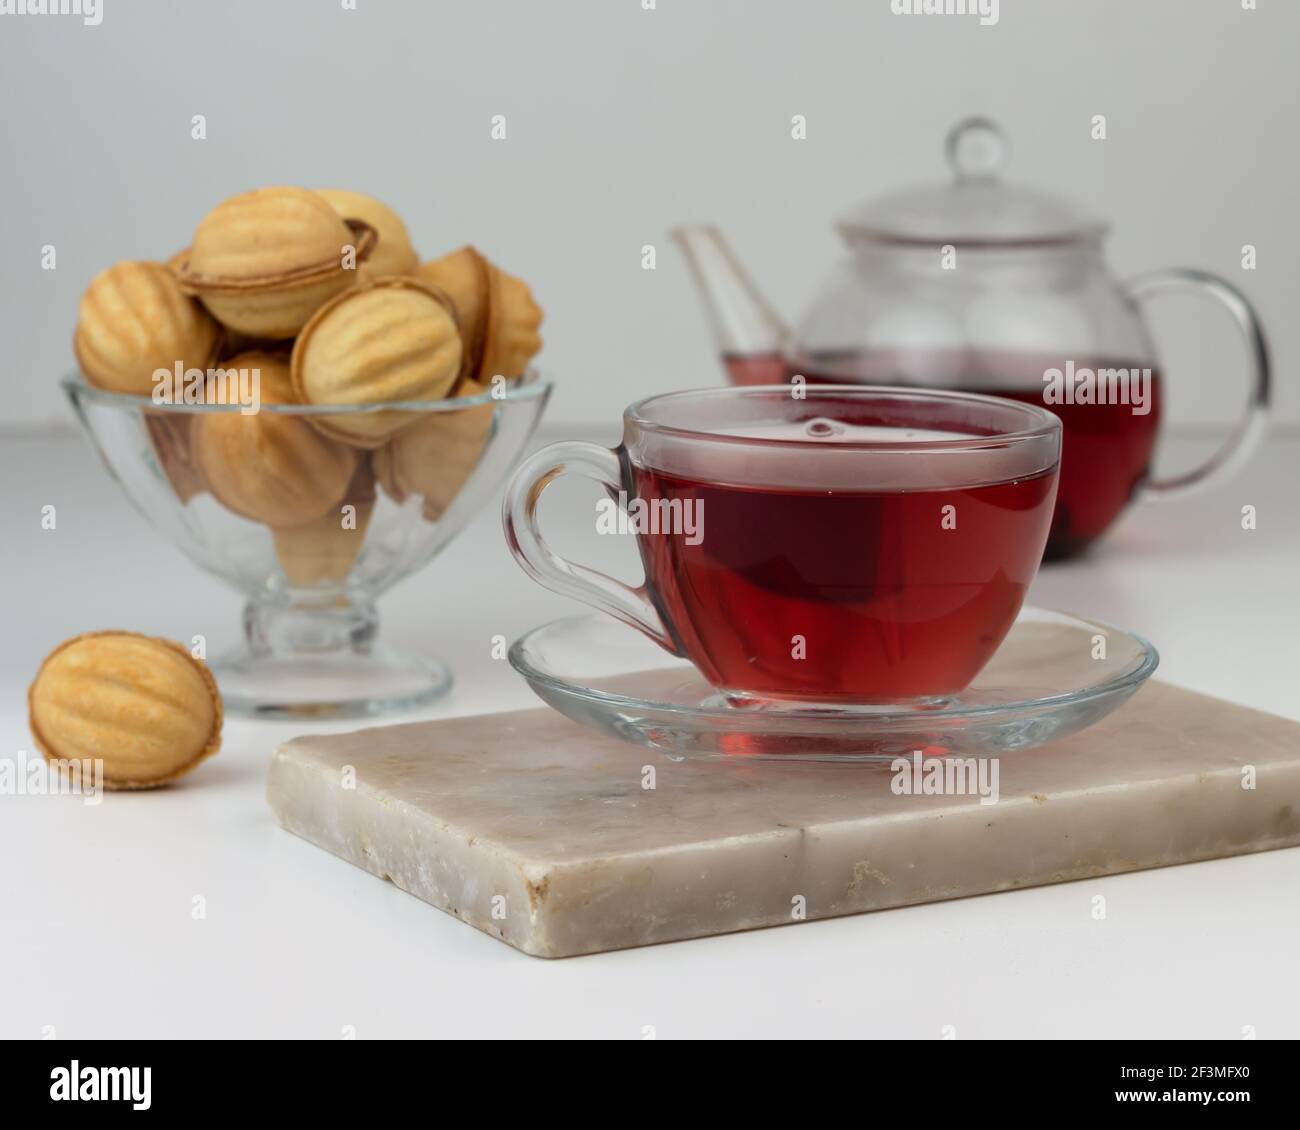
[
  {"x": 343, "y": 684},
  {"x": 322, "y": 660}
]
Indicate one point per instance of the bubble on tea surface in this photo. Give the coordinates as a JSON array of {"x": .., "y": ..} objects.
[{"x": 822, "y": 428}]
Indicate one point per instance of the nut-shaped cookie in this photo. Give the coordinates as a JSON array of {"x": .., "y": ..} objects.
[
  {"x": 499, "y": 318},
  {"x": 265, "y": 234},
  {"x": 393, "y": 254},
  {"x": 435, "y": 456},
  {"x": 144, "y": 707},
  {"x": 270, "y": 467},
  {"x": 322, "y": 552},
  {"x": 171, "y": 433},
  {"x": 134, "y": 319},
  {"x": 511, "y": 339},
  {"x": 463, "y": 275},
  {"x": 393, "y": 340},
  {"x": 263, "y": 261}
]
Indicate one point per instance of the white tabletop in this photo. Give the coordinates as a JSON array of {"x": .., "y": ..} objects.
[{"x": 98, "y": 939}]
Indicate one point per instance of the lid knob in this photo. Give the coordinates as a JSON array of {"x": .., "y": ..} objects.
[{"x": 976, "y": 149}]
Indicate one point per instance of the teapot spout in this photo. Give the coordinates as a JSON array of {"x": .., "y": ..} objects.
[{"x": 748, "y": 332}]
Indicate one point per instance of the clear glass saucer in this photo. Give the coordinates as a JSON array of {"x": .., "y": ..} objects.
[{"x": 1054, "y": 675}]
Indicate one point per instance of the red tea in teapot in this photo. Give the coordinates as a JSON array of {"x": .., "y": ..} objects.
[
  {"x": 820, "y": 591},
  {"x": 1107, "y": 442},
  {"x": 1105, "y": 458},
  {"x": 747, "y": 369}
]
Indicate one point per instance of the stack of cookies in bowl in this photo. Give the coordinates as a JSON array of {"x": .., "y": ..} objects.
[{"x": 298, "y": 358}]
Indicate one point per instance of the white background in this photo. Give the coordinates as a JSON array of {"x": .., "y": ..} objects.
[{"x": 622, "y": 122}]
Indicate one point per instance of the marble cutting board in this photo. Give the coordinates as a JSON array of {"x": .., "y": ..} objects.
[{"x": 546, "y": 836}]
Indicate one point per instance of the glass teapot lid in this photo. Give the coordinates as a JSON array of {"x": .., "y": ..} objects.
[{"x": 976, "y": 208}]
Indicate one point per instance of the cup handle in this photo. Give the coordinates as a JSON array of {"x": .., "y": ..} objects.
[
  {"x": 519, "y": 516},
  {"x": 1246, "y": 434}
]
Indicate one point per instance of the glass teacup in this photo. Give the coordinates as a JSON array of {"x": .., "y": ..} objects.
[{"x": 835, "y": 546}]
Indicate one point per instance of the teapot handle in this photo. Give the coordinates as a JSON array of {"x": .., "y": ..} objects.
[{"x": 1246, "y": 434}]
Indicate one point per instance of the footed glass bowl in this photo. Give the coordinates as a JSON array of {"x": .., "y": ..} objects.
[{"x": 312, "y": 530}]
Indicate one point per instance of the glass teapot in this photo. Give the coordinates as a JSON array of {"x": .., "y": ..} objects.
[{"x": 985, "y": 286}]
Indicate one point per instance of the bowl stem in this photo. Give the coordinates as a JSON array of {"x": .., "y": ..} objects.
[{"x": 322, "y": 660}]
